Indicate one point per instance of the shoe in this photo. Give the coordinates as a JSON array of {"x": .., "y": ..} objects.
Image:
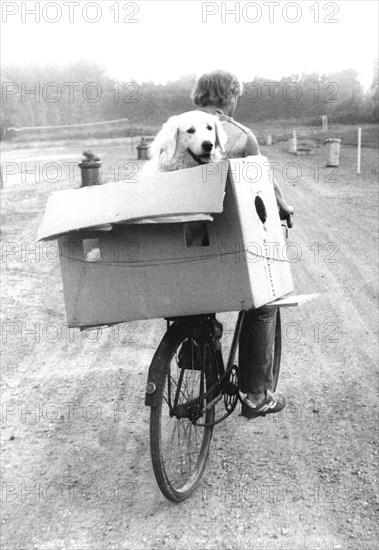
[{"x": 272, "y": 403}]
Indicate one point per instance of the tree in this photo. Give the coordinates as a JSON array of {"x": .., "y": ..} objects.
[{"x": 375, "y": 91}]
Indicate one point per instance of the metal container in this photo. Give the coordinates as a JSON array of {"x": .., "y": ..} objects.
[
  {"x": 91, "y": 173},
  {"x": 332, "y": 152},
  {"x": 143, "y": 150}
]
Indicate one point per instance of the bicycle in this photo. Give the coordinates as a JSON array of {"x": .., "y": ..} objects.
[
  {"x": 187, "y": 380},
  {"x": 183, "y": 390}
]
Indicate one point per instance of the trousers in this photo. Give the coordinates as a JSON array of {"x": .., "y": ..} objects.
[{"x": 256, "y": 349}]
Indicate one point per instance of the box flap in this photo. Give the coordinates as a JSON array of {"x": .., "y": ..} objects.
[
  {"x": 190, "y": 191},
  {"x": 292, "y": 301}
]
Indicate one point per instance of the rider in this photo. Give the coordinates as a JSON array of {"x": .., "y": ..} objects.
[{"x": 217, "y": 93}]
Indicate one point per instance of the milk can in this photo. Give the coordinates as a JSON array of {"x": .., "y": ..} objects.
[
  {"x": 90, "y": 168},
  {"x": 332, "y": 152},
  {"x": 143, "y": 150}
]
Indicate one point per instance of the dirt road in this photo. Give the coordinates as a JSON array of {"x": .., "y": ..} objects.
[{"x": 76, "y": 463}]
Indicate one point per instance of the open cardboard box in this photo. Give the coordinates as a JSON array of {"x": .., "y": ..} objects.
[{"x": 132, "y": 271}]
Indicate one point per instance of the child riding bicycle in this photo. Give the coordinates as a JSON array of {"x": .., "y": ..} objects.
[{"x": 218, "y": 93}]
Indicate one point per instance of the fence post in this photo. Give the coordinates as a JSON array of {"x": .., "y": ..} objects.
[
  {"x": 359, "y": 151},
  {"x": 292, "y": 144}
]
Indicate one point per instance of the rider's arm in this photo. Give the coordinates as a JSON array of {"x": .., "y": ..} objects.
[
  {"x": 284, "y": 209},
  {"x": 252, "y": 148}
]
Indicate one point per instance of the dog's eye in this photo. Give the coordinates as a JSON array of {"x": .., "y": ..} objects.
[
  {"x": 209, "y": 127},
  {"x": 191, "y": 131}
]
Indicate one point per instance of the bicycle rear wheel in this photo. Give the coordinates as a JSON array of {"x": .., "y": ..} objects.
[{"x": 185, "y": 369}]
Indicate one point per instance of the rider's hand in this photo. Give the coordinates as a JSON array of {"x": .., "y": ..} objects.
[{"x": 286, "y": 213}]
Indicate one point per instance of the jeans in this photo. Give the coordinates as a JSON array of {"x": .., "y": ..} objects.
[{"x": 256, "y": 349}]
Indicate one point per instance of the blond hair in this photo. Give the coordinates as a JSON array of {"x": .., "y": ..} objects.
[{"x": 216, "y": 88}]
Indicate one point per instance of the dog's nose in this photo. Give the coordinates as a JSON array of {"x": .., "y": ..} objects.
[{"x": 207, "y": 146}]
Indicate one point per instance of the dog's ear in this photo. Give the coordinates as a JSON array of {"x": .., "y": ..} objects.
[
  {"x": 166, "y": 139},
  {"x": 221, "y": 137}
]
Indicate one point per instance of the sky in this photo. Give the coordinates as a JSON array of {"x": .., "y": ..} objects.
[{"x": 162, "y": 40}]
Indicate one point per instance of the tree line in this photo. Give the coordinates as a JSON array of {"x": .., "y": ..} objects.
[{"x": 83, "y": 92}]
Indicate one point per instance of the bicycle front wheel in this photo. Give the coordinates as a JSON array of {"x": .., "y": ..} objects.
[
  {"x": 185, "y": 370},
  {"x": 277, "y": 352}
]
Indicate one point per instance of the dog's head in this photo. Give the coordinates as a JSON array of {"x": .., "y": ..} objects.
[{"x": 195, "y": 134}]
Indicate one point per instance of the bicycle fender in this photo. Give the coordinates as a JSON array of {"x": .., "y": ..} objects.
[
  {"x": 152, "y": 381},
  {"x": 159, "y": 361}
]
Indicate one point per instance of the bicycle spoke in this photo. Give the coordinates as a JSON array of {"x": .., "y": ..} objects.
[{"x": 183, "y": 443}]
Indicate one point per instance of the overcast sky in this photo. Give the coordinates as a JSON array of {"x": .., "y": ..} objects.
[{"x": 161, "y": 40}]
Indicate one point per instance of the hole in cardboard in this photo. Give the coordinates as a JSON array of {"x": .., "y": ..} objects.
[
  {"x": 91, "y": 250},
  {"x": 261, "y": 209},
  {"x": 196, "y": 234}
]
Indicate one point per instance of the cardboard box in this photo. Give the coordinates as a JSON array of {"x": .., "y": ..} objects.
[{"x": 150, "y": 270}]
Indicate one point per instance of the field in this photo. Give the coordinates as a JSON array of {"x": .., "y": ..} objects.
[{"x": 76, "y": 463}]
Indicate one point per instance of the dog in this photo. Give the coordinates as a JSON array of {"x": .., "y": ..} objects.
[{"x": 185, "y": 141}]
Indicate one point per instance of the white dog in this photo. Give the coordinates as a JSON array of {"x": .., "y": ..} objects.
[{"x": 185, "y": 141}]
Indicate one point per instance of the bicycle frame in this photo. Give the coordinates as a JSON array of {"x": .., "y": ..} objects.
[
  {"x": 222, "y": 372},
  {"x": 200, "y": 325}
]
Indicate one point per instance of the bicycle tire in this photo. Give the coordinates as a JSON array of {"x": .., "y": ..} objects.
[{"x": 179, "y": 473}]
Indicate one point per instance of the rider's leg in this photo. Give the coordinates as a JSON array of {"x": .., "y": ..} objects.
[{"x": 256, "y": 349}]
